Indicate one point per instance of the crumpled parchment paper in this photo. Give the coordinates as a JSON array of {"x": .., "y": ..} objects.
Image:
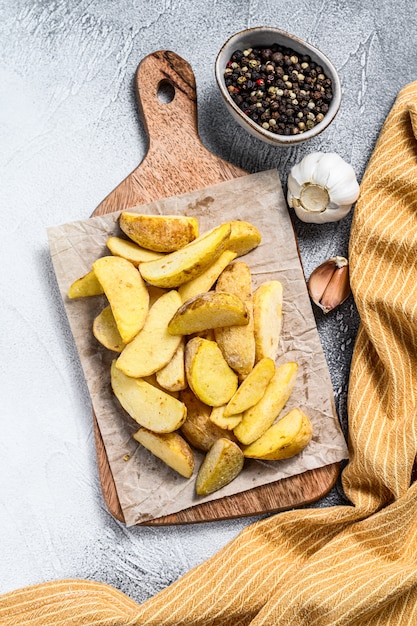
[{"x": 146, "y": 487}]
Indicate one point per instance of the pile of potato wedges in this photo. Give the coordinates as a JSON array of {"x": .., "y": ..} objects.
[{"x": 195, "y": 346}]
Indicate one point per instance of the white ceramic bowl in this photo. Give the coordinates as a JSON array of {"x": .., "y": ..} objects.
[{"x": 266, "y": 36}]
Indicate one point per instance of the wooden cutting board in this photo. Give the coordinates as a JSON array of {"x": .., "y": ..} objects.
[{"x": 177, "y": 162}]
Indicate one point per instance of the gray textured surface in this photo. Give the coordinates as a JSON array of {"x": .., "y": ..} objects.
[{"x": 69, "y": 132}]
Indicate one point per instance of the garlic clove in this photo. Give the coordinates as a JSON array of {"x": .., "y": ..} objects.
[
  {"x": 304, "y": 170},
  {"x": 320, "y": 278},
  {"x": 329, "y": 285},
  {"x": 337, "y": 290}
]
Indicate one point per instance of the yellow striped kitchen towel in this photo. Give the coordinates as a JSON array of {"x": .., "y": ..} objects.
[{"x": 345, "y": 565}]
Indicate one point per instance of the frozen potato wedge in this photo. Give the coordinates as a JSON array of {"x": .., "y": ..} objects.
[
  {"x": 87, "y": 285},
  {"x": 155, "y": 293},
  {"x": 198, "y": 429},
  {"x": 251, "y": 390},
  {"x": 149, "y": 406},
  {"x": 184, "y": 264},
  {"x": 267, "y": 316},
  {"x": 208, "y": 374},
  {"x": 152, "y": 381},
  {"x": 172, "y": 375},
  {"x": 153, "y": 347},
  {"x": 244, "y": 237},
  {"x": 171, "y": 448},
  {"x": 208, "y": 310},
  {"x": 258, "y": 418},
  {"x": 160, "y": 233},
  {"x": 206, "y": 280},
  {"x": 130, "y": 251},
  {"x": 222, "y": 463},
  {"x": 237, "y": 343},
  {"x": 284, "y": 439},
  {"x": 126, "y": 293},
  {"x": 218, "y": 417},
  {"x": 204, "y": 334},
  {"x": 106, "y": 332}
]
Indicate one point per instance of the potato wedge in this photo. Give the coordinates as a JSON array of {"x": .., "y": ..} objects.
[
  {"x": 267, "y": 317},
  {"x": 222, "y": 463},
  {"x": 208, "y": 374},
  {"x": 258, "y": 418},
  {"x": 106, "y": 332},
  {"x": 155, "y": 293},
  {"x": 130, "y": 251},
  {"x": 172, "y": 376},
  {"x": 209, "y": 310},
  {"x": 237, "y": 343},
  {"x": 204, "y": 334},
  {"x": 153, "y": 347},
  {"x": 87, "y": 285},
  {"x": 171, "y": 448},
  {"x": 283, "y": 440},
  {"x": 244, "y": 237},
  {"x": 126, "y": 293},
  {"x": 152, "y": 381},
  {"x": 198, "y": 429},
  {"x": 185, "y": 264},
  {"x": 218, "y": 418},
  {"x": 206, "y": 280},
  {"x": 150, "y": 407},
  {"x": 252, "y": 388},
  {"x": 160, "y": 233}
]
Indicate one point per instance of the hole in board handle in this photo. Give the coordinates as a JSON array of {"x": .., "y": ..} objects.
[{"x": 166, "y": 91}]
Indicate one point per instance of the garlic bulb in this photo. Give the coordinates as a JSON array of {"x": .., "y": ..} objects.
[
  {"x": 328, "y": 284},
  {"x": 322, "y": 188}
]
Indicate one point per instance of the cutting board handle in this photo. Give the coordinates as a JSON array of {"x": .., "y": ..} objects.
[
  {"x": 170, "y": 122},
  {"x": 176, "y": 160}
]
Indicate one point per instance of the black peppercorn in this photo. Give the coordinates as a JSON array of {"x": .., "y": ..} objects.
[
  {"x": 237, "y": 55},
  {"x": 284, "y": 92}
]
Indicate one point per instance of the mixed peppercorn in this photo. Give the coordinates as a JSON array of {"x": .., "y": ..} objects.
[{"x": 284, "y": 92}]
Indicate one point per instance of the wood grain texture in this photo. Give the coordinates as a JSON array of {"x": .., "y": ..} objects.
[{"x": 177, "y": 162}]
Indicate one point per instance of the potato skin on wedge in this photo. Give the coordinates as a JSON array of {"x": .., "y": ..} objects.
[
  {"x": 106, "y": 332},
  {"x": 284, "y": 439},
  {"x": 198, "y": 429},
  {"x": 171, "y": 448},
  {"x": 184, "y": 264},
  {"x": 222, "y": 463},
  {"x": 212, "y": 309},
  {"x": 160, "y": 233},
  {"x": 87, "y": 285},
  {"x": 208, "y": 374},
  {"x": 149, "y": 406}
]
